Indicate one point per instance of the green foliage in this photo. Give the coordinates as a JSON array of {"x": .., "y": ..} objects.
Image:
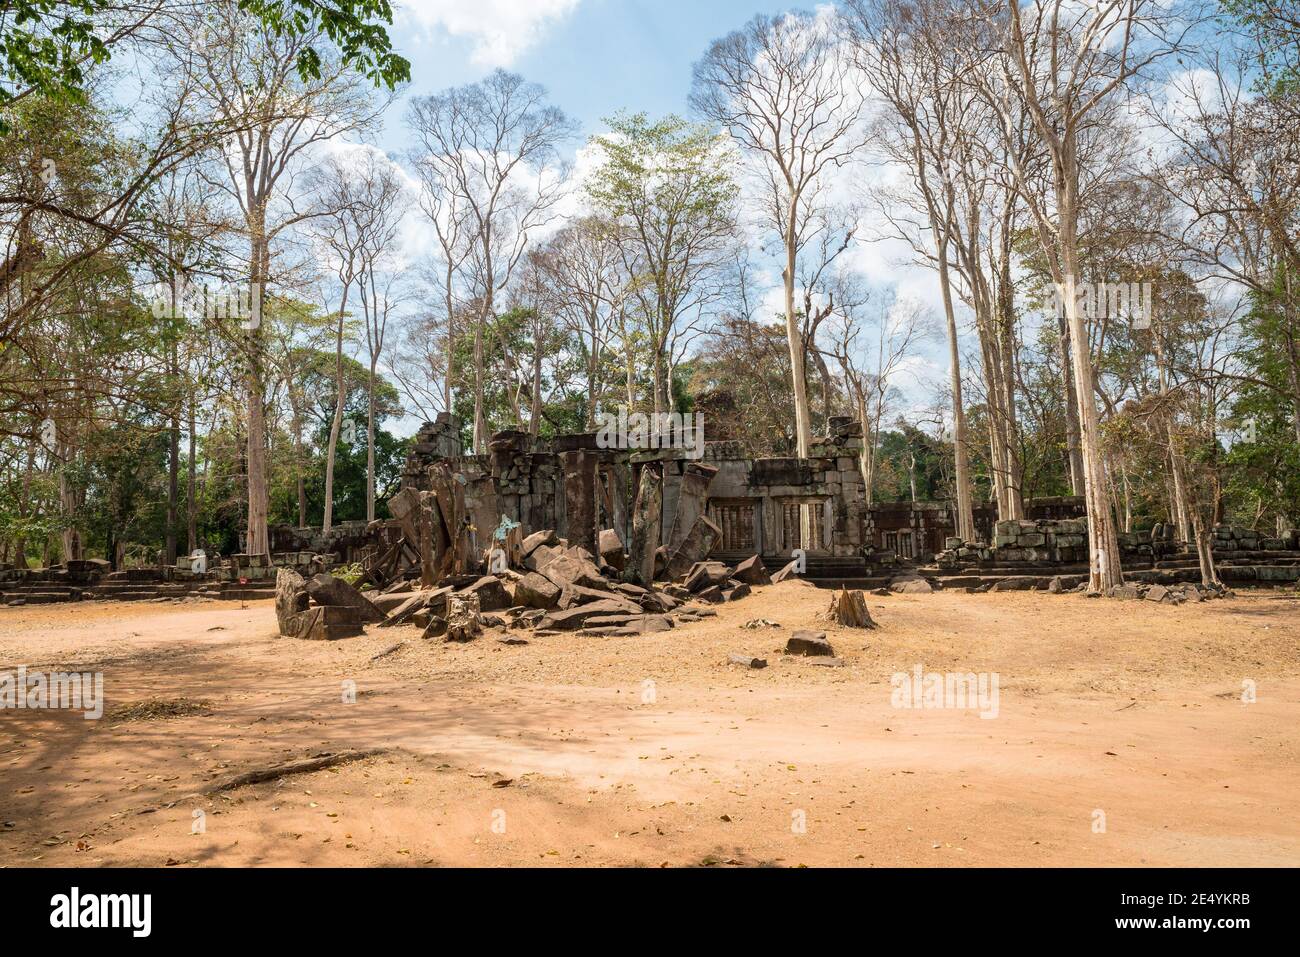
[
  {"x": 349, "y": 573},
  {"x": 1274, "y": 26},
  {"x": 47, "y": 45},
  {"x": 1263, "y": 471},
  {"x": 910, "y": 452},
  {"x": 668, "y": 166}
]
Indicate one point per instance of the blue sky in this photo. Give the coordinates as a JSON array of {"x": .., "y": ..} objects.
[{"x": 594, "y": 56}]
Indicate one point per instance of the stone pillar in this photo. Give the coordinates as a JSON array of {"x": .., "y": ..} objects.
[
  {"x": 692, "y": 501},
  {"x": 646, "y": 523},
  {"x": 580, "y": 498}
]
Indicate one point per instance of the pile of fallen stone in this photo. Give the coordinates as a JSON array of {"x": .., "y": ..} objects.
[
  {"x": 323, "y": 608},
  {"x": 959, "y": 554},
  {"x": 1165, "y": 594},
  {"x": 556, "y": 587}
]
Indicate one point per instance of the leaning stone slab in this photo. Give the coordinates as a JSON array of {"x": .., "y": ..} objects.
[
  {"x": 325, "y": 589},
  {"x": 491, "y": 593},
  {"x": 432, "y": 601},
  {"x": 713, "y": 595},
  {"x": 330, "y": 623},
  {"x": 571, "y": 570},
  {"x": 536, "y": 541},
  {"x": 697, "y": 545},
  {"x": 572, "y": 595},
  {"x": 1157, "y": 593},
  {"x": 789, "y": 571},
  {"x": 611, "y": 550},
  {"x": 391, "y": 601},
  {"x": 540, "y": 557},
  {"x": 735, "y": 591},
  {"x": 573, "y": 618},
  {"x": 647, "y": 520},
  {"x": 704, "y": 575}
]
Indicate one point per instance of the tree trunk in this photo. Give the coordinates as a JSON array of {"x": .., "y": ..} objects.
[
  {"x": 299, "y": 444},
  {"x": 485, "y": 315},
  {"x": 1105, "y": 570},
  {"x": 480, "y": 422},
  {"x": 192, "y": 503},
  {"x": 258, "y": 498},
  {"x": 24, "y": 508},
  {"x": 866, "y": 461},
  {"x": 798, "y": 372},
  {"x": 593, "y": 370},
  {"x": 964, "y": 520},
  {"x": 1204, "y": 550},
  {"x": 535, "y": 406},
  {"x": 1074, "y": 454},
  {"x": 173, "y": 485},
  {"x": 370, "y": 443},
  {"x": 68, "y": 502},
  {"x": 451, "y": 337},
  {"x": 336, "y": 425}
]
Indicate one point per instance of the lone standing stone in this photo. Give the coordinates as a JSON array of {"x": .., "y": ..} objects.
[
  {"x": 291, "y": 601},
  {"x": 647, "y": 519}
]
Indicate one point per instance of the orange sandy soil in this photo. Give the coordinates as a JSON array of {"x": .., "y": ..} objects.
[{"x": 549, "y": 754}]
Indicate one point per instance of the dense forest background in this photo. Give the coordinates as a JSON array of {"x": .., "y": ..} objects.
[{"x": 524, "y": 273}]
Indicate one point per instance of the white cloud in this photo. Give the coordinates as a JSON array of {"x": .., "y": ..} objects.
[{"x": 500, "y": 30}]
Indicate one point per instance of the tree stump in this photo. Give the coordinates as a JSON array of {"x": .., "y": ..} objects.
[
  {"x": 463, "y": 619},
  {"x": 849, "y": 608}
]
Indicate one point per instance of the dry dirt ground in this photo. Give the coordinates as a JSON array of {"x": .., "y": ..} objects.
[{"x": 654, "y": 751}]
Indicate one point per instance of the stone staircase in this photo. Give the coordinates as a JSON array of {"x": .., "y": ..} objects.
[
  {"x": 824, "y": 571},
  {"x": 136, "y": 585}
]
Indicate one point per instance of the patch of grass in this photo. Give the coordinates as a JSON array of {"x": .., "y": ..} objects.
[
  {"x": 350, "y": 574},
  {"x": 158, "y": 709}
]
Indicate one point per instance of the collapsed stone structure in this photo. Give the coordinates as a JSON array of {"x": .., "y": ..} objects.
[
  {"x": 1053, "y": 554},
  {"x": 656, "y": 513},
  {"x": 93, "y": 579},
  {"x": 665, "y": 509}
]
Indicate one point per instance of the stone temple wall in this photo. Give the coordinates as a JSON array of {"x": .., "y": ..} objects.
[
  {"x": 571, "y": 485},
  {"x": 757, "y": 503},
  {"x": 1065, "y": 542}
]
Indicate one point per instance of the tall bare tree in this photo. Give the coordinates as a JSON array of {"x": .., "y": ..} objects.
[
  {"x": 245, "y": 69},
  {"x": 907, "y": 59},
  {"x": 357, "y": 196},
  {"x": 495, "y": 145},
  {"x": 588, "y": 287},
  {"x": 1066, "y": 65},
  {"x": 784, "y": 90}
]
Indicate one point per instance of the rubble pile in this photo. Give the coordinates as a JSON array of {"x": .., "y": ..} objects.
[
  {"x": 1165, "y": 594},
  {"x": 548, "y": 586}
]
